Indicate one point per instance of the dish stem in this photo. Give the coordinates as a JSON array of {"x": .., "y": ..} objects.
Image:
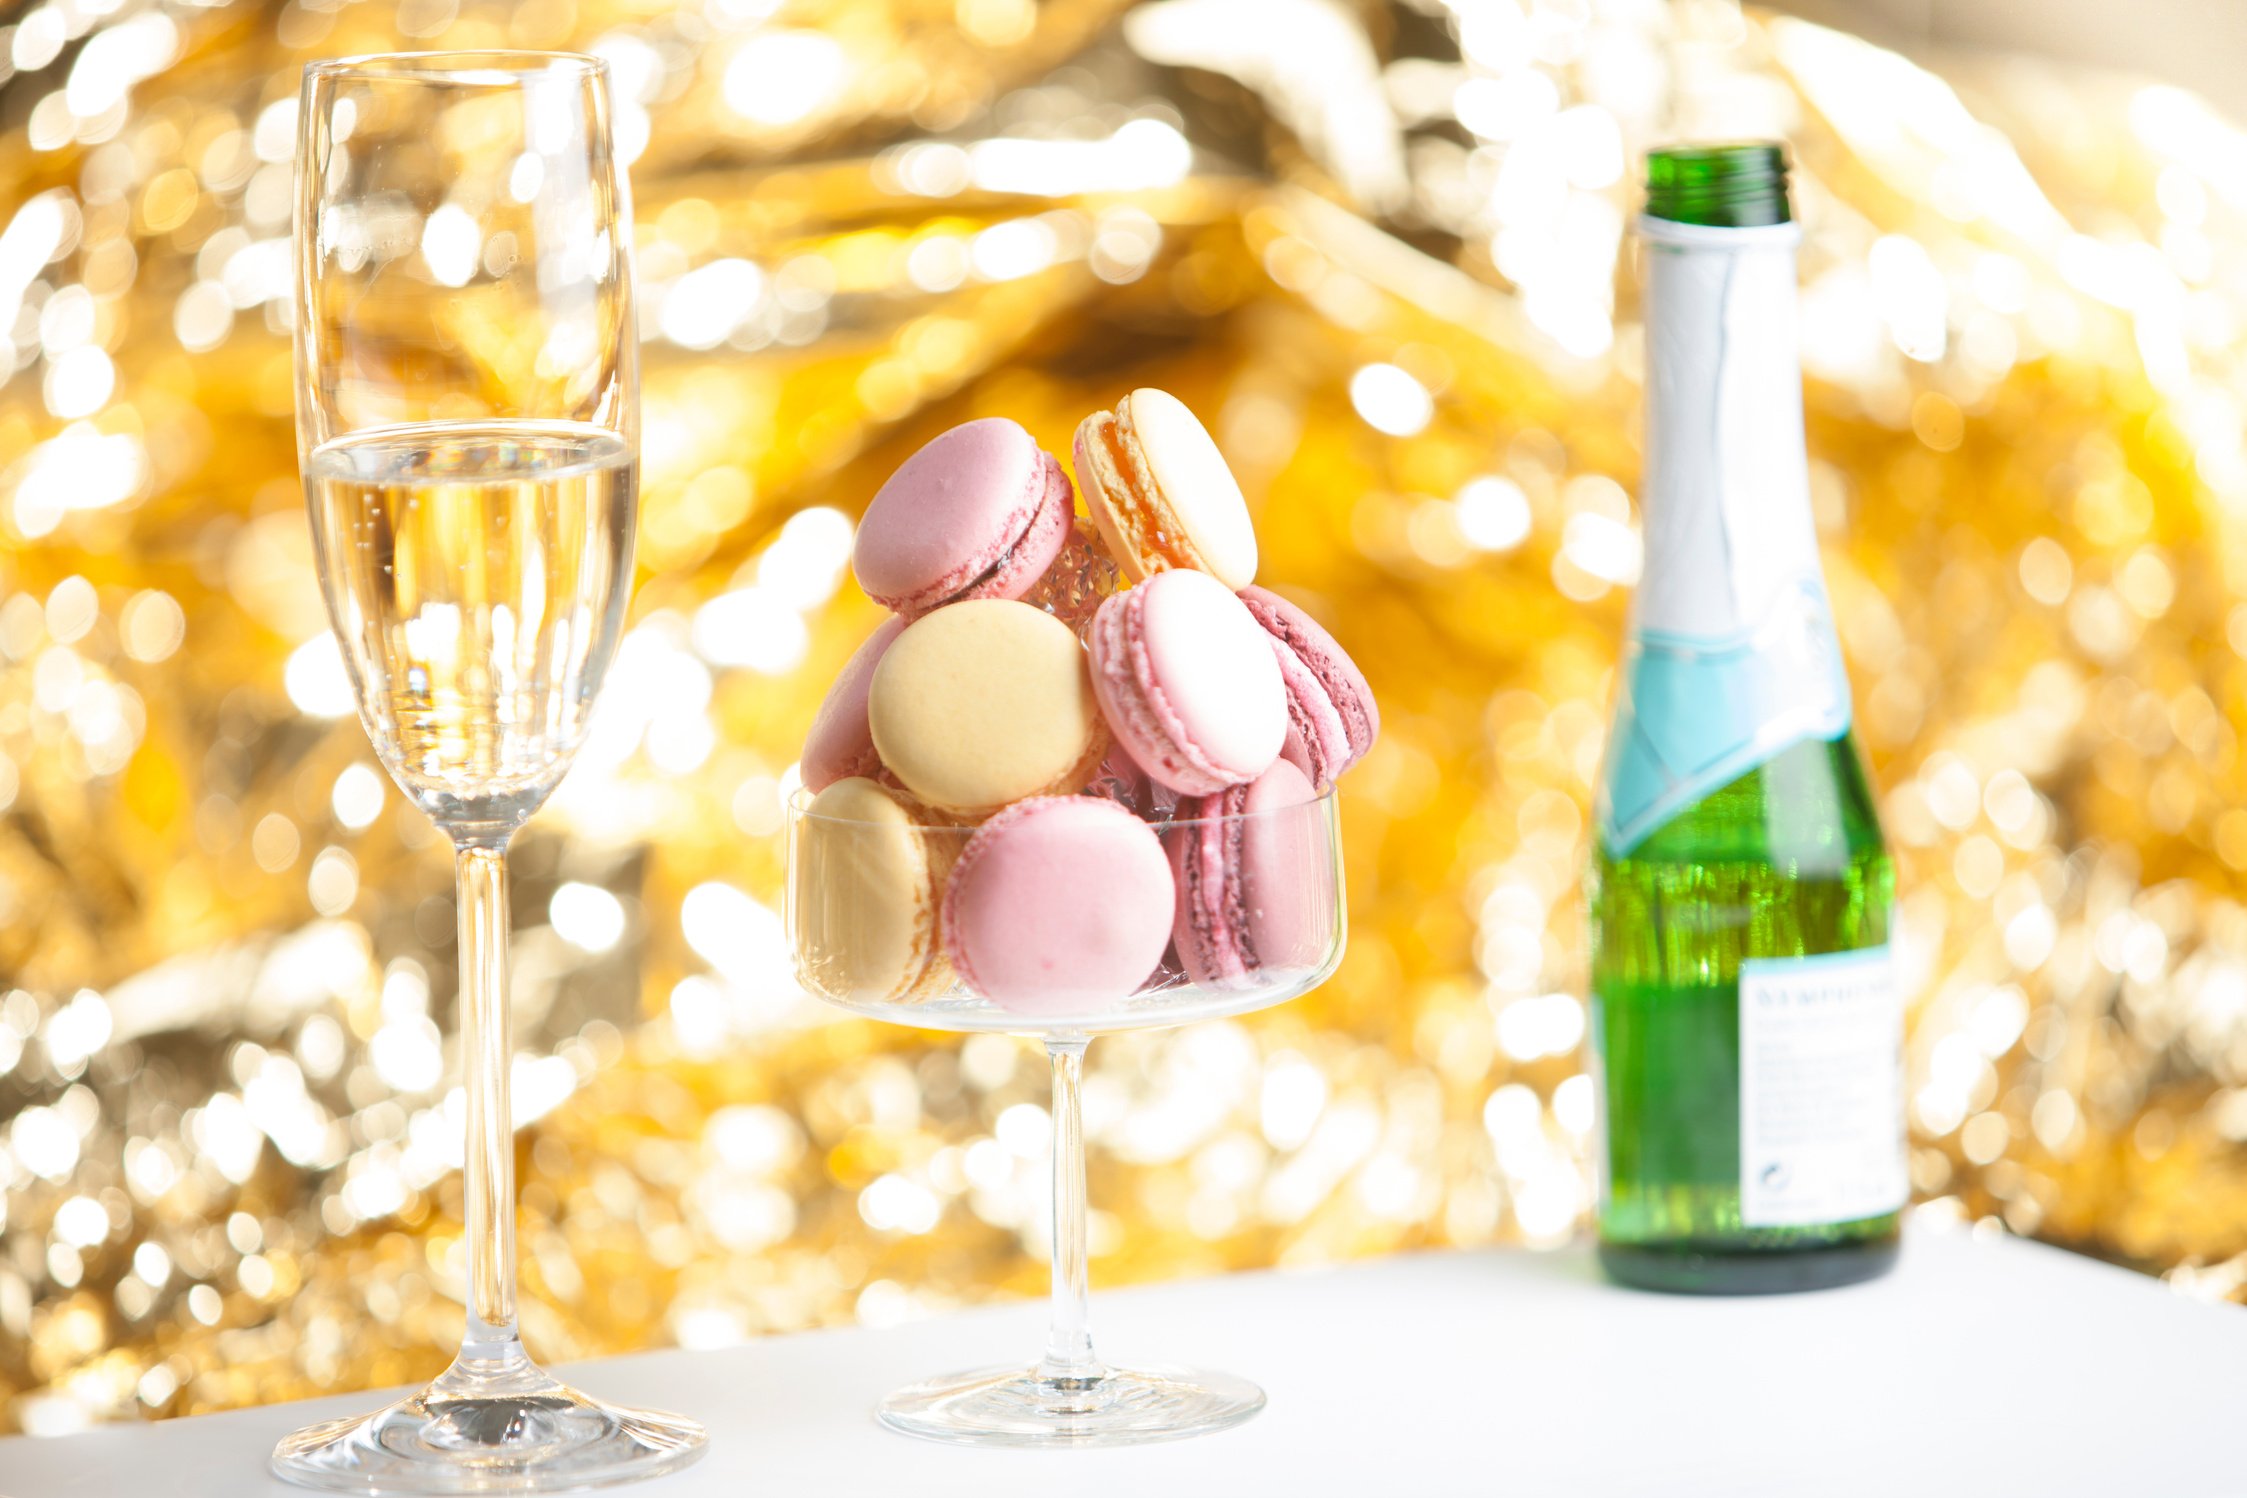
[
  {"x": 1069, "y": 1362},
  {"x": 1069, "y": 1397}
]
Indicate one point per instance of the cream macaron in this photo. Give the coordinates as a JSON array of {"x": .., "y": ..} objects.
[
  {"x": 1161, "y": 493},
  {"x": 864, "y": 905},
  {"x": 985, "y": 702}
]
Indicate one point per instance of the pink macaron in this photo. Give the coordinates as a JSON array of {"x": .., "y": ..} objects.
[
  {"x": 840, "y": 743},
  {"x": 1254, "y": 867},
  {"x": 1332, "y": 719},
  {"x": 1059, "y": 905},
  {"x": 1189, "y": 682},
  {"x": 979, "y": 512}
]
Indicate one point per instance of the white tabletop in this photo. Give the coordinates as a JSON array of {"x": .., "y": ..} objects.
[{"x": 1977, "y": 1368}]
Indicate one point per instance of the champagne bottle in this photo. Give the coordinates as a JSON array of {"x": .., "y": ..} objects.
[{"x": 1746, "y": 1025}]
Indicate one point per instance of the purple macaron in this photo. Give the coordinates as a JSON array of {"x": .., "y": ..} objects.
[
  {"x": 1189, "y": 682},
  {"x": 1254, "y": 867},
  {"x": 979, "y": 512},
  {"x": 1332, "y": 719},
  {"x": 840, "y": 743},
  {"x": 1058, "y": 905}
]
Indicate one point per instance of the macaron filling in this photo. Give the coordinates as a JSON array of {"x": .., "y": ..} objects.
[{"x": 1116, "y": 484}]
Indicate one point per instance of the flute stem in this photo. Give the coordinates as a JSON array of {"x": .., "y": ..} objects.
[{"x": 486, "y": 1059}]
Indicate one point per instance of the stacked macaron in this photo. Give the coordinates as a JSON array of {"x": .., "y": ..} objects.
[{"x": 1114, "y": 752}]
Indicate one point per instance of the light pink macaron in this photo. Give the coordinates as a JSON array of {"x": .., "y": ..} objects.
[
  {"x": 840, "y": 743},
  {"x": 1189, "y": 683},
  {"x": 981, "y": 511},
  {"x": 1255, "y": 874},
  {"x": 1059, "y": 905},
  {"x": 1332, "y": 719}
]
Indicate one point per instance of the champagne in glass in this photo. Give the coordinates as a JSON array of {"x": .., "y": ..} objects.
[
  {"x": 468, "y": 428},
  {"x": 479, "y": 572}
]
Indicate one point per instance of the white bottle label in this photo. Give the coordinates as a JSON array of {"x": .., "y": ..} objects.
[
  {"x": 1821, "y": 1089},
  {"x": 1732, "y": 654}
]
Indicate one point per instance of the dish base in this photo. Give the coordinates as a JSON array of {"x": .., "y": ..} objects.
[{"x": 1020, "y": 1407}]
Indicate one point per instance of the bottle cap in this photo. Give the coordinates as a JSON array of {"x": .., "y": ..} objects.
[{"x": 1741, "y": 185}]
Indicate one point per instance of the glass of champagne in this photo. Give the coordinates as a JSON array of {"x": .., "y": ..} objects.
[{"x": 468, "y": 430}]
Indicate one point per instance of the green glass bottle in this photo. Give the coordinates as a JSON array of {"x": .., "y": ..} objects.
[{"x": 1746, "y": 1026}]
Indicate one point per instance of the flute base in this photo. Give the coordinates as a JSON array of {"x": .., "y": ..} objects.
[
  {"x": 489, "y": 1426},
  {"x": 1020, "y": 1407}
]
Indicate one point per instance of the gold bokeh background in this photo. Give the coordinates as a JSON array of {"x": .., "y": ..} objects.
[{"x": 1381, "y": 247}]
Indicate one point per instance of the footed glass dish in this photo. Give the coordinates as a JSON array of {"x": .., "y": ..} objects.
[{"x": 1260, "y": 921}]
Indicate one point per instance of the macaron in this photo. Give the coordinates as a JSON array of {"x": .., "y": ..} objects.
[
  {"x": 985, "y": 702},
  {"x": 1059, "y": 905},
  {"x": 1254, "y": 867},
  {"x": 1161, "y": 493},
  {"x": 1332, "y": 719},
  {"x": 979, "y": 512},
  {"x": 864, "y": 897},
  {"x": 840, "y": 743},
  {"x": 1188, "y": 681}
]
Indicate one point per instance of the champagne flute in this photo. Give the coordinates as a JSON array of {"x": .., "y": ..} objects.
[{"x": 468, "y": 429}]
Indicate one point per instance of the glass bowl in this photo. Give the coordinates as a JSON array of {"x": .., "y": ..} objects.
[{"x": 866, "y": 920}]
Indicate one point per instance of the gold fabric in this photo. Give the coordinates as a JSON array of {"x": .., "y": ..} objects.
[{"x": 1383, "y": 250}]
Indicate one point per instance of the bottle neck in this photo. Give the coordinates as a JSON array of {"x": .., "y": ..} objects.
[
  {"x": 1726, "y": 496},
  {"x": 1732, "y": 655}
]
